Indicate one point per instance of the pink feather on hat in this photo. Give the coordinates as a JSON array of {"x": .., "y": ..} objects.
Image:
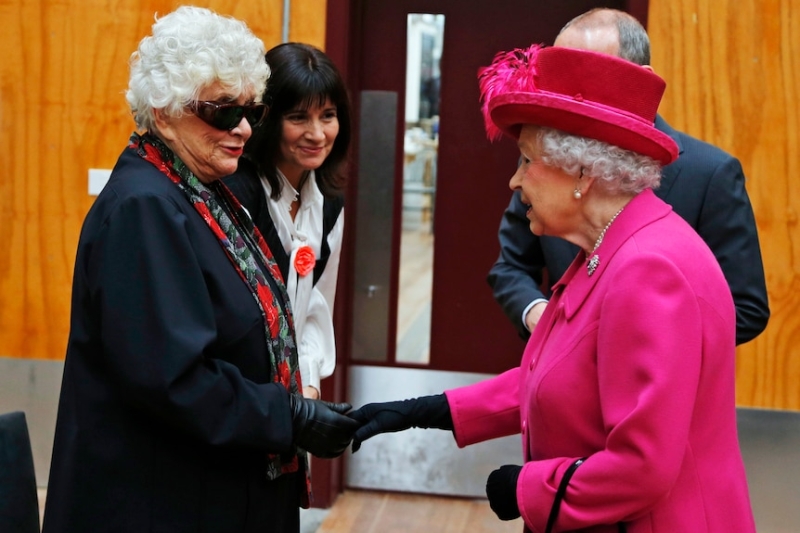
[{"x": 512, "y": 71}]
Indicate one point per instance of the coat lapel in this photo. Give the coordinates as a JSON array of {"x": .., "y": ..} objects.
[{"x": 577, "y": 284}]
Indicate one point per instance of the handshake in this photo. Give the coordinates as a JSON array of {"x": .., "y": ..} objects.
[{"x": 326, "y": 429}]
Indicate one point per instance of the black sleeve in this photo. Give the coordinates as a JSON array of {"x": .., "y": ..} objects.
[
  {"x": 517, "y": 274},
  {"x": 160, "y": 327},
  {"x": 727, "y": 224}
]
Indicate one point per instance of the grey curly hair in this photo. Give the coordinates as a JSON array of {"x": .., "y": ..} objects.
[
  {"x": 618, "y": 170},
  {"x": 190, "y": 49}
]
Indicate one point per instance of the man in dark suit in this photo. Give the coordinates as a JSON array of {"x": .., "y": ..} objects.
[{"x": 705, "y": 186}]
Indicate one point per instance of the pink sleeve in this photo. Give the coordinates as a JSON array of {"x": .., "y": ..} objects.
[{"x": 486, "y": 410}]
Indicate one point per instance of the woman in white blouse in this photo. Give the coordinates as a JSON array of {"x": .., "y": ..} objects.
[{"x": 291, "y": 181}]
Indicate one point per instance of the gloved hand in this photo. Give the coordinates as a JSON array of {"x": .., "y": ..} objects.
[
  {"x": 321, "y": 428},
  {"x": 422, "y": 412},
  {"x": 501, "y": 489}
]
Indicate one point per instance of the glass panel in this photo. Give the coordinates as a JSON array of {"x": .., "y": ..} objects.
[{"x": 423, "y": 80}]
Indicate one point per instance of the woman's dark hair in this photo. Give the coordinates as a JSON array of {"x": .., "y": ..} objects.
[{"x": 302, "y": 76}]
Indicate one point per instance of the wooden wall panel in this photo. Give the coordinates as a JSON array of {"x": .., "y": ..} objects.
[
  {"x": 63, "y": 111},
  {"x": 732, "y": 80},
  {"x": 307, "y": 22}
]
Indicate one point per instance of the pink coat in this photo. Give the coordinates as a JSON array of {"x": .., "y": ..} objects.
[{"x": 633, "y": 368}]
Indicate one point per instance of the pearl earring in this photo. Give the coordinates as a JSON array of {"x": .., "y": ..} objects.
[{"x": 577, "y": 194}]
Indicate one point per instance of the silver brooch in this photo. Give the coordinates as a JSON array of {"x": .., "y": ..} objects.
[{"x": 594, "y": 262}]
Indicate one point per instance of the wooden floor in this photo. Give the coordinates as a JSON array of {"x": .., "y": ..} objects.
[{"x": 358, "y": 511}]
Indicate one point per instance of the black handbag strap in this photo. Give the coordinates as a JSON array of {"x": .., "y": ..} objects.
[{"x": 562, "y": 489}]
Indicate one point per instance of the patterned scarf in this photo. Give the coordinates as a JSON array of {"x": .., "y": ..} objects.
[{"x": 242, "y": 243}]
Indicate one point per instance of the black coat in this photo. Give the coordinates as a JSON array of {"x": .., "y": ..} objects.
[
  {"x": 167, "y": 411},
  {"x": 704, "y": 185}
]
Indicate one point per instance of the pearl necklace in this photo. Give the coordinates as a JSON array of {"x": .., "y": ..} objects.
[{"x": 594, "y": 260}]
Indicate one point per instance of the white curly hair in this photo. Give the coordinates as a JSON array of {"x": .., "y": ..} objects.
[
  {"x": 617, "y": 170},
  {"x": 189, "y": 50}
]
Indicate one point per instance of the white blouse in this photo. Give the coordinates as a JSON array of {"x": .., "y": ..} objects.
[{"x": 312, "y": 305}]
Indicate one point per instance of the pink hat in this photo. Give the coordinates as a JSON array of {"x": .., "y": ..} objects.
[{"x": 576, "y": 91}]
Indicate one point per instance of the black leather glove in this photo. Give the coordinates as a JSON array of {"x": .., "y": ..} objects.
[
  {"x": 501, "y": 489},
  {"x": 422, "y": 412},
  {"x": 321, "y": 428}
]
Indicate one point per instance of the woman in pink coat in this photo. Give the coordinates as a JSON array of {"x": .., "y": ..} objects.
[{"x": 625, "y": 394}]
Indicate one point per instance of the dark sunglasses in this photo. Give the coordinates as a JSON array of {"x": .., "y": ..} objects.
[{"x": 228, "y": 116}]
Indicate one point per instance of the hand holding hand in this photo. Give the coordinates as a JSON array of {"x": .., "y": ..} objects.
[
  {"x": 423, "y": 412},
  {"x": 501, "y": 489},
  {"x": 321, "y": 428}
]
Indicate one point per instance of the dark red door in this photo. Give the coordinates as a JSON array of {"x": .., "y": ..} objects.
[{"x": 468, "y": 330}]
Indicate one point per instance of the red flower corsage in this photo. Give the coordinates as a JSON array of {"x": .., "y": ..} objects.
[{"x": 304, "y": 260}]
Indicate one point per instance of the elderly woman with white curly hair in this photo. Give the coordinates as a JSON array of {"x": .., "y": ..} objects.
[{"x": 180, "y": 407}]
